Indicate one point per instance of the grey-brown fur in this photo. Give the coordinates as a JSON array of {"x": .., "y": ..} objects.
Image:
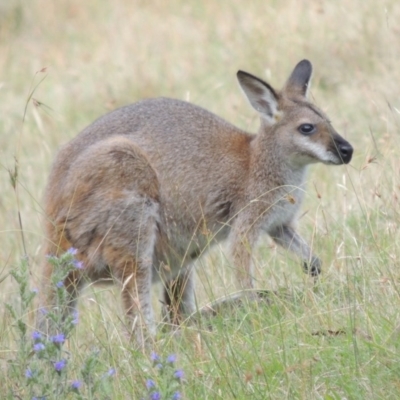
[{"x": 144, "y": 190}]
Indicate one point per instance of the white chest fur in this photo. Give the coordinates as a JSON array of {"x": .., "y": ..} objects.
[{"x": 287, "y": 201}]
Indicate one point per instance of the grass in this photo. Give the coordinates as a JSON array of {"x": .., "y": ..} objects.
[{"x": 68, "y": 62}]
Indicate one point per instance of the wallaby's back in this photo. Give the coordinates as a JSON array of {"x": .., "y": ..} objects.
[{"x": 193, "y": 151}]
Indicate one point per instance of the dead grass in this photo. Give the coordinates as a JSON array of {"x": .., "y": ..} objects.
[{"x": 99, "y": 55}]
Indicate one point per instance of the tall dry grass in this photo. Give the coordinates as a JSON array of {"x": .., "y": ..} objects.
[{"x": 65, "y": 63}]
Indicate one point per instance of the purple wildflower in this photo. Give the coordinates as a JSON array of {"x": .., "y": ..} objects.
[
  {"x": 29, "y": 373},
  {"x": 75, "y": 318},
  {"x": 179, "y": 374},
  {"x": 58, "y": 339},
  {"x": 75, "y": 385},
  {"x": 38, "y": 347},
  {"x": 60, "y": 284},
  {"x": 36, "y": 336},
  {"x": 176, "y": 396},
  {"x": 72, "y": 251},
  {"x": 111, "y": 372},
  {"x": 60, "y": 365},
  {"x": 159, "y": 366},
  {"x": 154, "y": 356},
  {"x": 171, "y": 358},
  {"x": 43, "y": 310},
  {"x": 155, "y": 396},
  {"x": 34, "y": 290},
  {"x": 78, "y": 264},
  {"x": 150, "y": 384}
]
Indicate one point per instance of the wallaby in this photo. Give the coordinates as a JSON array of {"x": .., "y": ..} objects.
[{"x": 145, "y": 189}]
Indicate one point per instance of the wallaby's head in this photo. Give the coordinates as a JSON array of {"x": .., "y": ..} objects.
[{"x": 302, "y": 132}]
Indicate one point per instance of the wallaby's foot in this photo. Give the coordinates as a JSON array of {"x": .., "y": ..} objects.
[
  {"x": 235, "y": 300},
  {"x": 314, "y": 268}
]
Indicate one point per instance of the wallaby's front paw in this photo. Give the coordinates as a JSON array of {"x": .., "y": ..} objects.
[{"x": 314, "y": 269}]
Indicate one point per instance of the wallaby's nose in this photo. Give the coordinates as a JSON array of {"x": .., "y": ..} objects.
[{"x": 345, "y": 152}]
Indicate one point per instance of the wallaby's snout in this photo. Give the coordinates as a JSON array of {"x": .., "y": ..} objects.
[
  {"x": 344, "y": 149},
  {"x": 340, "y": 151}
]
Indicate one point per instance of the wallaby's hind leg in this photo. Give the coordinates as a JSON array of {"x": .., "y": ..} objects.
[
  {"x": 134, "y": 275},
  {"x": 179, "y": 297},
  {"x": 109, "y": 210}
]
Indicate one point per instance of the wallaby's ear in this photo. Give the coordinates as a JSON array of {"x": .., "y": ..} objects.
[
  {"x": 260, "y": 95},
  {"x": 299, "y": 81}
]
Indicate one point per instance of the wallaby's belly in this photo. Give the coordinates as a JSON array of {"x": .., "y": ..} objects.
[{"x": 183, "y": 247}]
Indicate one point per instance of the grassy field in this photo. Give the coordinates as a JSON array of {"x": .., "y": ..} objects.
[{"x": 65, "y": 63}]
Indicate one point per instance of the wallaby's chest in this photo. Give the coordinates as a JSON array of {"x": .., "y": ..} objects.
[{"x": 283, "y": 203}]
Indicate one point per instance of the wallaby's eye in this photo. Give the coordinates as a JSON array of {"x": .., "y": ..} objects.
[{"x": 307, "y": 129}]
